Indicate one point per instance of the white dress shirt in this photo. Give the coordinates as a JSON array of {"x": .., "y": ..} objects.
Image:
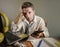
[{"x": 25, "y": 27}]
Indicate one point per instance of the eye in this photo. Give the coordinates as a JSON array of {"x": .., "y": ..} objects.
[
  {"x": 24, "y": 13},
  {"x": 29, "y": 12}
]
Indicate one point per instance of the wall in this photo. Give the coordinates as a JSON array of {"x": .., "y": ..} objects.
[{"x": 48, "y": 9}]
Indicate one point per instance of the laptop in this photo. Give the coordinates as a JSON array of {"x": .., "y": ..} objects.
[{"x": 11, "y": 38}]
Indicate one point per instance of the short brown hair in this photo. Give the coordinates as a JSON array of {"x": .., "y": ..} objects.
[{"x": 27, "y": 4}]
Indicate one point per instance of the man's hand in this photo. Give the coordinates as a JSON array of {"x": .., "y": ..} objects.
[
  {"x": 37, "y": 34},
  {"x": 40, "y": 35}
]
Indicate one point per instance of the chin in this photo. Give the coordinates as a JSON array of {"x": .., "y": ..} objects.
[{"x": 31, "y": 20}]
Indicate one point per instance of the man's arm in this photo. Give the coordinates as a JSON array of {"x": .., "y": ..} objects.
[{"x": 43, "y": 28}]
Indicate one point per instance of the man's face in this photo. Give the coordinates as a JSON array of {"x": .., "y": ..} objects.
[{"x": 28, "y": 13}]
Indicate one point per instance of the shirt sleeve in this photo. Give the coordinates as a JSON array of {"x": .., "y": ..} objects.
[
  {"x": 16, "y": 28},
  {"x": 44, "y": 28}
]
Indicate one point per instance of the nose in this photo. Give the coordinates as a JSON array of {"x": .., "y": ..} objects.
[{"x": 28, "y": 15}]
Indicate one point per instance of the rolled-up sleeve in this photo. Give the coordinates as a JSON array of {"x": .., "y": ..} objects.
[{"x": 16, "y": 28}]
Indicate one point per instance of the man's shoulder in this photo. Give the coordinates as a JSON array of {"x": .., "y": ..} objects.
[{"x": 38, "y": 17}]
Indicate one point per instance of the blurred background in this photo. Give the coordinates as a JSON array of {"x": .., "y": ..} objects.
[{"x": 47, "y": 9}]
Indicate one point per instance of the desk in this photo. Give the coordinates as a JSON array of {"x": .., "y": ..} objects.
[{"x": 44, "y": 42}]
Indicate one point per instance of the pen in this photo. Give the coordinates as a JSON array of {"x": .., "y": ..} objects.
[{"x": 39, "y": 43}]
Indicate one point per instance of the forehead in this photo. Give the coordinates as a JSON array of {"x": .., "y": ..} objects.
[{"x": 27, "y": 9}]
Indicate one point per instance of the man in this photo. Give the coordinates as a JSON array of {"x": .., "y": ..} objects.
[{"x": 29, "y": 23}]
